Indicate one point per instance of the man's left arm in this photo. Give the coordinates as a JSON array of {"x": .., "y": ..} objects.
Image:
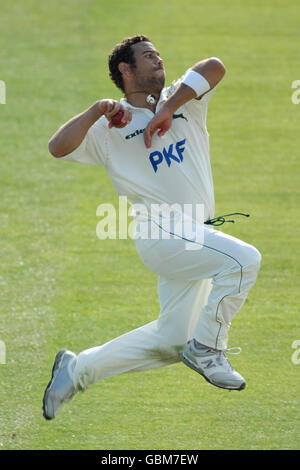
[{"x": 210, "y": 71}]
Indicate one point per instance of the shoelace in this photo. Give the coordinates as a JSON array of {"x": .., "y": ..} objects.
[
  {"x": 220, "y": 220},
  {"x": 221, "y": 359},
  {"x": 221, "y": 356},
  {"x": 229, "y": 350}
]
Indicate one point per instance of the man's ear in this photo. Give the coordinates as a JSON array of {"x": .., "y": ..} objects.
[{"x": 125, "y": 69}]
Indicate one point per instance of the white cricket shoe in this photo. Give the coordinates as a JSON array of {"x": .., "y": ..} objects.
[
  {"x": 60, "y": 389},
  {"x": 213, "y": 365}
]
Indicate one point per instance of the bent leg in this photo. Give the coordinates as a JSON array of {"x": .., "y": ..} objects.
[
  {"x": 232, "y": 265},
  {"x": 153, "y": 345}
]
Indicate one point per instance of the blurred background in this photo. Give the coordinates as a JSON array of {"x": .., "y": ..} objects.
[{"x": 62, "y": 287}]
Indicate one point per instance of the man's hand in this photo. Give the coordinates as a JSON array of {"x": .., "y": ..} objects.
[
  {"x": 162, "y": 121},
  {"x": 110, "y": 108},
  {"x": 71, "y": 134}
]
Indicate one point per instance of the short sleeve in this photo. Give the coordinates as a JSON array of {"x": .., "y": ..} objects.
[
  {"x": 91, "y": 151},
  {"x": 196, "y": 108}
]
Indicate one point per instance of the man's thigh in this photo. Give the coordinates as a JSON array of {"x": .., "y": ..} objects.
[{"x": 173, "y": 258}]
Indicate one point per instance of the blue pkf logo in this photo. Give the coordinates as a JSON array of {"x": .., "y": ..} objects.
[{"x": 156, "y": 158}]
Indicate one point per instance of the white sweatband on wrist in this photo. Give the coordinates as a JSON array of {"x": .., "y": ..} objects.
[{"x": 196, "y": 81}]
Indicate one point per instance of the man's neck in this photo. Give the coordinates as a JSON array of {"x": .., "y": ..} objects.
[{"x": 139, "y": 99}]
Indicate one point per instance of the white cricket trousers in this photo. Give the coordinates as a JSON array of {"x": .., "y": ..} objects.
[{"x": 199, "y": 291}]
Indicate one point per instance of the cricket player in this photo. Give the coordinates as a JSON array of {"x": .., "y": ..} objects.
[{"x": 158, "y": 153}]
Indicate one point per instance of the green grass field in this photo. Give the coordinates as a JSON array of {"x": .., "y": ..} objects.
[{"x": 63, "y": 287}]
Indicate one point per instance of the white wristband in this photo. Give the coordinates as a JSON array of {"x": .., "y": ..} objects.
[{"x": 196, "y": 81}]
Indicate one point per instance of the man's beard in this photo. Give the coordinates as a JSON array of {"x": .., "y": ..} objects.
[{"x": 150, "y": 84}]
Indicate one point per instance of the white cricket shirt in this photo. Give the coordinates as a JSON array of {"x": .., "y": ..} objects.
[{"x": 175, "y": 170}]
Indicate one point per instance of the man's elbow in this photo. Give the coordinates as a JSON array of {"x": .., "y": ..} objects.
[
  {"x": 53, "y": 149},
  {"x": 212, "y": 69},
  {"x": 218, "y": 67}
]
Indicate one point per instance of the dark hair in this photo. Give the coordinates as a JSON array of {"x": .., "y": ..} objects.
[{"x": 122, "y": 52}]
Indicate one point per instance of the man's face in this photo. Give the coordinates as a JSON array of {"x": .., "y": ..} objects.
[{"x": 149, "y": 73}]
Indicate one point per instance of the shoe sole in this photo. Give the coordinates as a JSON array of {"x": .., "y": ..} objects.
[
  {"x": 192, "y": 366},
  {"x": 56, "y": 366}
]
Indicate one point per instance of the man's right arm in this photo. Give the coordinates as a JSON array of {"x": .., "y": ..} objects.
[{"x": 71, "y": 134}]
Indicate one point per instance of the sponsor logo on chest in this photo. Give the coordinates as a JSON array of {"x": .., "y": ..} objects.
[{"x": 168, "y": 155}]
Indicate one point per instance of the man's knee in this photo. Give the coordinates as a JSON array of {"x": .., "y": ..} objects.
[
  {"x": 253, "y": 255},
  {"x": 251, "y": 262}
]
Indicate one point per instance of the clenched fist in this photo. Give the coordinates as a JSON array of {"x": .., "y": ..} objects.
[{"x": 110, "y": 108}]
